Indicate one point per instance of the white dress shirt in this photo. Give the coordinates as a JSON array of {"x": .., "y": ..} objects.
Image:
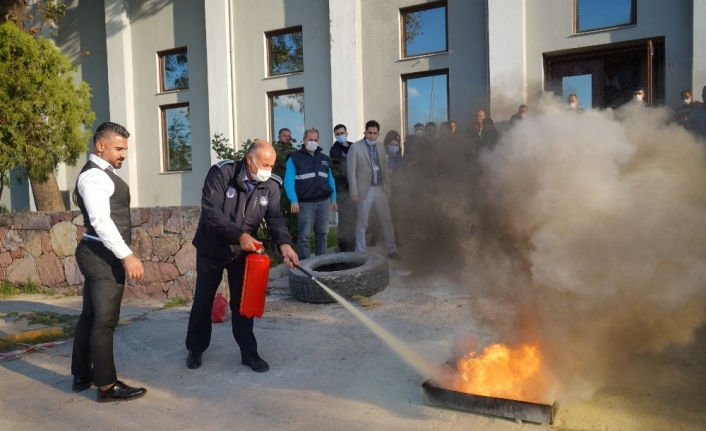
[{"x": 96, "y": 188}]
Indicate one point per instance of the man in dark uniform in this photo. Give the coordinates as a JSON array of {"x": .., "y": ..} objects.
[
  {"x": 104, "y": 257},
  {"x": 236, "y": 197},
  {"x": 346, "y": 207}
]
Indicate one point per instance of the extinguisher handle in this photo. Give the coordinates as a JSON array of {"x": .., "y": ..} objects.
[
  {"x": 307, "y": 273},
  {"x": 259, "y": 247}
]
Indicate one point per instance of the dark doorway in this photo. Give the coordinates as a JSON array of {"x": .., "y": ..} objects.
[{"x": 605, "y": 76}]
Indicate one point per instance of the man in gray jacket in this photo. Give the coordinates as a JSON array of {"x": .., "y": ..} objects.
[{"x": 369, "y": 182}]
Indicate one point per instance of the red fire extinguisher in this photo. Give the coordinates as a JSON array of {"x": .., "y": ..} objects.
[{"x": 257, "y": 271}]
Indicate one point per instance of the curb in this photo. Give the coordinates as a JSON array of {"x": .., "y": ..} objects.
[{"x": 27, "y": 337}]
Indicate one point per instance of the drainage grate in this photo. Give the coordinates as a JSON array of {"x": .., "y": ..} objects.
[{"x": 512, "y": 409}]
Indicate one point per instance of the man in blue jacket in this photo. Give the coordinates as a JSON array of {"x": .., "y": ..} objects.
[
  {"x": 236, "y": 197},
  {"x": 310, "y": 187}
]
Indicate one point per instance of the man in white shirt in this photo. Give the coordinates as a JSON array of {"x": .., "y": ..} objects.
[{"x": 104, "y": 258}]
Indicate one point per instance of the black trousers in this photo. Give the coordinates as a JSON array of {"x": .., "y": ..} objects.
[
  {"x": 209, "y": 273},
  {"x": 102, "y": 296},
  {"x": 347, "y": 214}
]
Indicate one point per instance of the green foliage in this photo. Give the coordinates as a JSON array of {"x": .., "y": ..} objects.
[
  {"x": 45, "y": 117},
  {"x": 176, "y": 68},
  {"x": 30, "y": 288},
  {"x": 225, "y": 151},
  {"x": 8, "y": 289},
  {"x": 412, "y": 26},
  {"x": 176, "y": 302}
]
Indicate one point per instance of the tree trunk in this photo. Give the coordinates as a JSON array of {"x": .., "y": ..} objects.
[
  {"x": 13, "y": 10},
  {"x": 47, "y": 196}
]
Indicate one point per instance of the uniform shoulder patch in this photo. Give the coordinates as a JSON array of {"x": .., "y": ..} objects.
[
  {"x": 277, "y": 179},
  {"x": 225, "y": 162}
]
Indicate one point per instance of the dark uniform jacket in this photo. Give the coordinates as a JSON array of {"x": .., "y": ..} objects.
[
  {"x": 227, "y": 212},
  {"x": 338, "y": 154}
]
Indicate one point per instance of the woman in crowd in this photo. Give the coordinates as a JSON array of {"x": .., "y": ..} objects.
[{"x": 395, "y": 163}]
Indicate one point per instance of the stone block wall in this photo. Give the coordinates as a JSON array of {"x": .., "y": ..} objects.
[{"x": 41, "y": 246}]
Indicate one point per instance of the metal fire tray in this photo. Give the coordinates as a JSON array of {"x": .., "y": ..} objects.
[{"x": 512, "y": 409}]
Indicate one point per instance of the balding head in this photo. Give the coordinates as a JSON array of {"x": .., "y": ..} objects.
[{"x": 261, "y": 155}]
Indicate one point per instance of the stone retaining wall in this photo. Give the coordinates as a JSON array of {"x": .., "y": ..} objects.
[{"x": 41, "y": 246}]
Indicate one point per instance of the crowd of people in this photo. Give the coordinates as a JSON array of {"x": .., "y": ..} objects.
[{"x": 373, "y": 185}]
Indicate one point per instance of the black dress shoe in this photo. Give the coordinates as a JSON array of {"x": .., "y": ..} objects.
[
  {"x": 254, "y": 361},
  {"x": 193, "y": 361},
  {"x": 81, "y": 383},
  {"x": 120, "y": 392}
]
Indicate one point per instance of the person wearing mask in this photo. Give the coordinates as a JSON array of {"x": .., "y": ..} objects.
[
  {"x": 346, "y": 207},
  {"x": 573, "y": 101},
  {"x": 224, "y": 237},
  {"x": 682, "y": 112},
  {"x": 453, "y": 126},
  {"x": 369, "y": 181},
  {"x": 395, "y": 164},
  {"x": 697, "y": 119},
  {"x": 311, "y": 189},
  {"x": 638, "y": 97},
  {"x": 105, "y": 260}
]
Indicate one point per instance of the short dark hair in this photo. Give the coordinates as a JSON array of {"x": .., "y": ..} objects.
[
  {"x": 419, "y": 125},
  {"x": 522, "y": 106},
  {"x": 430, "y": 124},
  {"x": 109, "y": 128},
  {"x": 684, "y": 91},
  {"x": 452, "y": 122},
  {"x": 339, "y": 126},
  {"x": 283, "y": 129},
  {"x": 307, "y": 131},
  {"x": 372, "y": 123}
]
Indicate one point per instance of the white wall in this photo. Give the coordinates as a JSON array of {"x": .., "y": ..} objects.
[
  {"x": 158, "y": 25},
  {"x": 250, "y": 65},
  {"x": 550, "y": 28},
  {"x": 383, "y": 66},
  {"x": 699, "y": 67}
]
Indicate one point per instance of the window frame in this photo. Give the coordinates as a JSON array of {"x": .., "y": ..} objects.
[
  {"x": 162, "y": 74},
  {"x": 632, "y": 23},
  {"x": 419, "y": 8},
  {"x": 280, "y": 32},
  {"x": 406, "y": 77},
  {"x": 165, "y": 137},
  {"x": 270, "y": 108}
]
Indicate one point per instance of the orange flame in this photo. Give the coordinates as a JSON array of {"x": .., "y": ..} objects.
[{"x": 504, "y": 372}]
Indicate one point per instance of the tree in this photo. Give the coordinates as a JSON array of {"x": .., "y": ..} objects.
[{"x": 45, "y": 117}]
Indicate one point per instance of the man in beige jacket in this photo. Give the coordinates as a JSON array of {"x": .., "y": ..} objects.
[{"x": 369, "y": 182}]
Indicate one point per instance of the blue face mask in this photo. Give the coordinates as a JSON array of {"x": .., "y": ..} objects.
[
  {"x": 394, "y": 149},
  {"x": 341, "y": 139}
]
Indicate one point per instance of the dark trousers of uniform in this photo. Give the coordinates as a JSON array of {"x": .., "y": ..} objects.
[
  {"x": 102, "y": 295},
  {"x": 209, "y": 273},
  {"x": 347, "y": 212}
]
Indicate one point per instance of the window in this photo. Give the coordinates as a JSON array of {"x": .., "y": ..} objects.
[
  {"x": 285, "y": 51},
  {"x": 592, "y": 15},
  {"x": 173, "y": 70},
  {"x": 426, "y": 98},
  {"x": 424, "y": 29},
  {"x": 176, "y": 137},
  {"x": 287, "y": 110}
]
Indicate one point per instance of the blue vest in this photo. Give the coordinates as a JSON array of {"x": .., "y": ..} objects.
[{"x": 311, "y": 179}]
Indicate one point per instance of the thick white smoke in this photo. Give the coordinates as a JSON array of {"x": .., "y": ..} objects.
[{"x": 591, "y": 238}]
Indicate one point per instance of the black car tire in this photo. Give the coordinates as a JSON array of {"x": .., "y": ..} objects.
[{"x": 362, "y": 274}]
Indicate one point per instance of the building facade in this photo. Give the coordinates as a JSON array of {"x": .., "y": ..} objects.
[{"x": 178, "y": 72}]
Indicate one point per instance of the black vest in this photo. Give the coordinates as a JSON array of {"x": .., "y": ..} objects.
[
  {"x": 311, "y": 180},
  {"x": 119, "y": 204}
]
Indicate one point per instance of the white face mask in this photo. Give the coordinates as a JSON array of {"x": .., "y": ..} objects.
[
  {"x": 419, "y": 133},
  {"x": 261, "y": 175},
  {"x": 687, "y": 101},
  {"x": 369, "y": 142},
  {"x": 574, "y": 105},
  {"x": 311, "y": 146},
  {"x": 638, "y": 97}
]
